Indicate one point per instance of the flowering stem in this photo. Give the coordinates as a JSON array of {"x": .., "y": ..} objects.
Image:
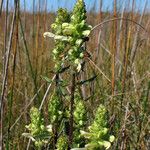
[
  {"x": 55, "y": 127},
  {"x": 72, "y": 109}
]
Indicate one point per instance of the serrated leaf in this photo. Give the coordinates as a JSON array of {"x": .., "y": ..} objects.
[{"x": 43, "y": 135}]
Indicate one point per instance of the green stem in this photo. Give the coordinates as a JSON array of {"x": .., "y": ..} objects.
[{"x": 72, "y": 109}]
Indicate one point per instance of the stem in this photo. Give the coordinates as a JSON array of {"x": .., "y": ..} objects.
[
  {"x": 55, "y": 127},
  {"x": 1, "y": 6},
  {"x": 5, "y": 75},
  {"x": 12, "y": 83},
  {"x": 72, "y": 109},
  {"x": 125, "y": 62},
  {"x": 114, "y": 48},
  {"x": 113, "y": 61},
  {"x": 29, "y": 59}
]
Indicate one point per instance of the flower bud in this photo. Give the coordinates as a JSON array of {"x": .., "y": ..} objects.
[{"x": 79, "y": 42}]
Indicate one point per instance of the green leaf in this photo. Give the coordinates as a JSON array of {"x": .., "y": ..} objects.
[
  {"x": 91, "y": 146},
  {"x": 85, "y": 134},
  {"x": 46, "y": 79},
  {"x": 79, "y": 149}
]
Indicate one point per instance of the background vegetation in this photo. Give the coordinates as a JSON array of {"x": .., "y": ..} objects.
[{"x": 120, "y": 57}]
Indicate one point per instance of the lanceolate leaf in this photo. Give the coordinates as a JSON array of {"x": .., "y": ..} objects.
[{"x": 46, "y": 79}]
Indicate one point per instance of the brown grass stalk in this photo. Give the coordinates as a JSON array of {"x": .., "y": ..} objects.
[
  {"x": 1, "y": 6},
  {"x": 12, "y": 83},
  {"x": 6, "y": 73}
]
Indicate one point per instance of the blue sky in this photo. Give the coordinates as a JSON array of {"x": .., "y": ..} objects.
[{"x": 53, "y": 5}]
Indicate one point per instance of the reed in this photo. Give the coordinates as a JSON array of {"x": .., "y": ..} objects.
[{"x": 115, "y": 75}]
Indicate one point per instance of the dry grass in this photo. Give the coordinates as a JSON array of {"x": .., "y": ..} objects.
[{"x": 120, "y": 51}]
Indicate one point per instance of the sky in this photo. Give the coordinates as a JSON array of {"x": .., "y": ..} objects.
[{"x": 53, "y": 5}]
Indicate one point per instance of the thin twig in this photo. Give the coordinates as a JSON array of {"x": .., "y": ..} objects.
[
  {"x": 26, "y": 107},
  {"x": 46, "y": 93},
  {"x": 135, "y": 42},
  {"x": 99, "y": 70},
  {"x": 6, "y": 74},
  {"x": 1, "y": 6},
  {"x": 125, "y": 19},
  {"x": 28, "y": 57}
]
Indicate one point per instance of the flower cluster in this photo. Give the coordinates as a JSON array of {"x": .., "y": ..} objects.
[
  {"x": 62, "y": 16},
  {"x": 80, "y": 118},
  {"x": 80, "y": 114},
  {"x": 39, "y": 134},
  {"x": 62, "y": 143},
  {"x": 55, "y": 109},
  {"x": 60, "y": 45},
  {"x": 70, "y": 33},
  {"x": 98, "y": 135},
  {"x": 79, "y": 31}
]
